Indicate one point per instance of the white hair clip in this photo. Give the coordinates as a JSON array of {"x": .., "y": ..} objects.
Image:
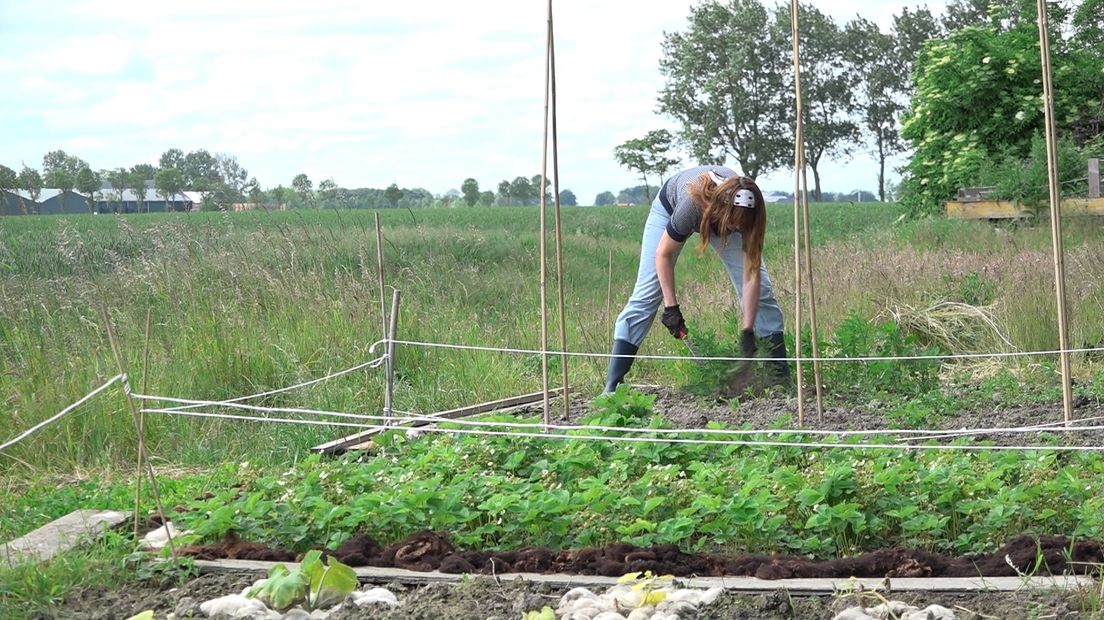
[{"x": 742, "y": 198}]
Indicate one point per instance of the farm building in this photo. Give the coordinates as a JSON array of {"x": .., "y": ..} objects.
[{"x": 11, "y": 203}]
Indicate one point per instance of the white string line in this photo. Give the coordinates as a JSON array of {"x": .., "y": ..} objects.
[
  {"x": 1047, "y": 426},
  {"x": 961, "y": 356},
  {"x": 62, "y": 414},
  {"x": 372, "y": 364},
  {"x": 613, "y": 429},
  {"x": 711, "y": 442}
]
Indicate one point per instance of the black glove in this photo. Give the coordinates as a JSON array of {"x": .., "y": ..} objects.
[
  {"x": 672, "y": 320},
  {"x": 747, "y": 343}
]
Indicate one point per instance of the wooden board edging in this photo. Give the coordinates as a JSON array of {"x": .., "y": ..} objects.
[
  {"x": 749, "y": 585},
  {"x": 59, "y": 535},
  {"x": 1005, "y": 209},
  {"x": 357, "y": 440}
]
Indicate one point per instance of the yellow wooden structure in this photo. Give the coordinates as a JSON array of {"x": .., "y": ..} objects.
[{"x": 1007, "y": 209}]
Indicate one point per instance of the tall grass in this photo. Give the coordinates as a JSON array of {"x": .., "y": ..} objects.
[{"x": 248, "y": 302}]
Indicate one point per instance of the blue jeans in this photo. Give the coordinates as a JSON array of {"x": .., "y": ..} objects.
[{"x": 636, "y": 319}]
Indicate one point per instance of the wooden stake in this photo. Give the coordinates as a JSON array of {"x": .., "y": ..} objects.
[
  {"x": 142, "y": 425},
  {"x": 134, "y": 417},
  {"x": 1055, "y": 208},
  {"x": 543, "y": 224},
  {"x": 379, "y": 265},
  {"x": 812, "y": 296},
  {"x": 799, "y": 166},
  {"x": 609, "y": 295},
  {"x": 1094, "y": 178},
  {"x": 389, "y": 394},
  {"x": 556, "y": 202}
]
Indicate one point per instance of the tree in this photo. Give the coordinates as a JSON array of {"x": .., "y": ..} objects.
[
  {"x": 647, "y": 155},
  {"x": 233, "y": 175},
  {"x": 172, "y": 158},
  {"x": 31, "y": 182},
  {"x": 535, "y": 183},
  {"x": 977, "y": 99},
  {"x": 201, "y": 171},
  {"x": 136, "y": 182},
  {"x": 470, "y": 189},
  {"x": 522, "y": 191},
  {"x": 9, "y": 179},
  {"x": 88, "y": 183},
  {"x": 605, "y": 199},
  {"x": 1088, "y": 25},
  {"x": 725, "y": 82},
  {"x": 303, "y": 188},
  {"x": 61, "y": 162},
  {"x": 486, "y": 198},
  {"x": 504, "y": 192},
  {"x": 392, "y": 194},
  {"x": 880, "y": 97},
  {"x": 146, "y": 171},
  {"x": 118, "y": 180},
  {"x": 327, "y": 191},
  {"x": 168, "y": 182},
  {"x": 567, "y": 198},
  {"x": 827, "y": 86}
]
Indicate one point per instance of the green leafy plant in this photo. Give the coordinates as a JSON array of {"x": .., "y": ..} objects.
[
  {"x": 313, "y": 585},
  {"x": 546, "y": 613}
]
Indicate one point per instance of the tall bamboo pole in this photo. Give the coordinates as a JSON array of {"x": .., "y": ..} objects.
[
  {"x": 799, "y": 167},
  {"x": 543, "y": 223},
  {"x": 1055, "y": 208},
  {"x": 556, "y": 202},
  {"x": 812, "y": 296},
  {"x": 392, "y": 331},
  {"x": 142, "y": 425}
]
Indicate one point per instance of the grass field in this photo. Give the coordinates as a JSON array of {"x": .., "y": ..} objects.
[{"x": 247, "y": 302}]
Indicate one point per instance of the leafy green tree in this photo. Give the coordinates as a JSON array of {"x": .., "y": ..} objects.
[
  {"x": 9, "y": 179},
  {"x": 172, "y": 158},
  {"x": 31, "y": 182},
  {"x": 504, "y": 192},
  {"x": 327, "y": 191},
  {"x": 135, "y": 181},
  {"x": 647, "y": 155},
  {"x": 1088, "y": 25},
  {"x": 392, "y": 194},
  {"x": 88, "y": 183},
  {"x": 605, "y": 199},
  {"x": 146, "y": 171},
  {"x": 726, "y": 85},
  {"x": 486, "y": 198},
  {"x": 535, "y": 184},
  {"x": 304, "y": 188},
  {"x": 168, "y": 182},
  {"x": 118, "y": 180},
  {"x": 977, "y": 98},
  {"x": 60, "y": 161},
  {"x": 470, "y": 189},
  {"x": 881, "y": 94},
  {"x": 522, "y": 191},
  {"x": 567, "y": 198},
  {"x": 201, "y": 170},
  {"x": 827, "y": 85}
]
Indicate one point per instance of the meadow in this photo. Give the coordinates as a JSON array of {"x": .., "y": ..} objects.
[{"x": 247, "y": 302}]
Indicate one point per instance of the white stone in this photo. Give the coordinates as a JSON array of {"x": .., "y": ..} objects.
[
  {"x": 710, "y": 595},
  {"x": 630, "y": 599},
  {"x": 690, "y": 596},
  {"x": 234, "y": 605},
  {"x": 319, "y": 614},
  {"x": 158, "y": 539},
  {"x": 642, "y": 613},
  {"x": 678, "y": 608},
  {"x": 931, "y": 612},
  {"x": 576, "y": 593},
  {"x": 363, "y": 598},
  {"x": 609, "y": 615}
]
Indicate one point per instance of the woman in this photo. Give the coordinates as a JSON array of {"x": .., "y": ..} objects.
[{"x": 728, "y": 212}]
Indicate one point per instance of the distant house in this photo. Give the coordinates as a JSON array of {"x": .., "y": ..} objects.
[
  {"x": 110, "y": 200},
  {"x": 55, "y": 202},
  {"x": 11, "y": 203},
  {"x": 263, "y": 206}
]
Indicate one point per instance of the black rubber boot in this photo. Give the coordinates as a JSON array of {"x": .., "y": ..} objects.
[
  {"x": 778, "y": 367},
  {"x": 619, "y": 366}
]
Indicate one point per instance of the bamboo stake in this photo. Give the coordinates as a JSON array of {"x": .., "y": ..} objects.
[
  {"x": 543, "y": 225},
  {"x": 142, "y": 425},
  {"x": 1055, "y": 208},
  {"x": 812, "y": 296},
  {"x": 389, "y": 394},
  {"x": 609, "y": 295},
  {"x": 799, "y": 166},
  {"x": 556, "y": 202},
  {"x": 134, "y": 417},
  {"x": 379, "y": 265}
]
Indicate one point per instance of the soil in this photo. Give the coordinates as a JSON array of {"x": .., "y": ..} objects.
[
  {"x": 686, "y": 411},
  {"x": 482, "y": 598}
]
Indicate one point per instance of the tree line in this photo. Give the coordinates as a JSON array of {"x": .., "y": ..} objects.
[{"x": 925, "y": 85}]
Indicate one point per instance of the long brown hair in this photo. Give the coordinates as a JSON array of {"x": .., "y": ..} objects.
[{"x": 720, "y": 216}]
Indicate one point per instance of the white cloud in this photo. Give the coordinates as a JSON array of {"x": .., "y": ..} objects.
[{"x": 364, "y": 92}]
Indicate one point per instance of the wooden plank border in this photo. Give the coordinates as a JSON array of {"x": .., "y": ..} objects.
[
  {"x": 59, "y": 536},
  {"x": 748, "y": 585},
  {"x": 358, "y": 440}
]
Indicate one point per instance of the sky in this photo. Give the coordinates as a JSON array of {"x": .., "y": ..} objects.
[{"x": 365, "y": 92}]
